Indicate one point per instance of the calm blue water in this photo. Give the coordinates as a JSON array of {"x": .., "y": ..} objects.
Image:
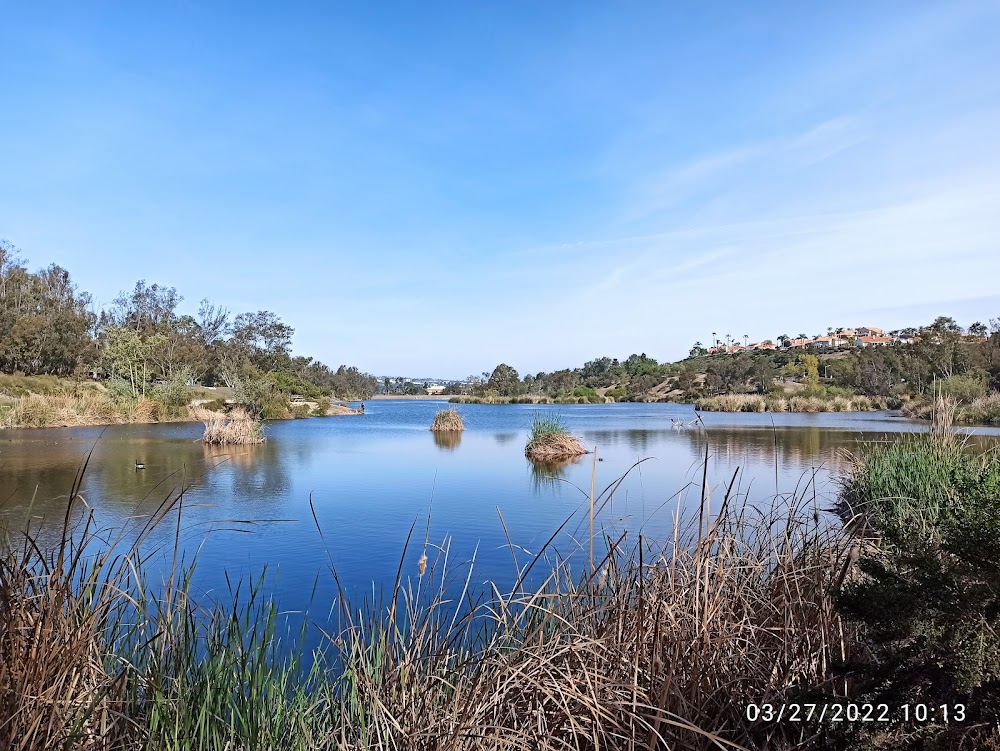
[{"x": 372, "y": 478}]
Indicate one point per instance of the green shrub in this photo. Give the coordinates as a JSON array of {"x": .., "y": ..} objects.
[
  {"x": 965, "y": 388},
  {"x": 119, "y": 388},
  {"x": 290, "y": 383},
  {"x": 174, "y": 395},
  {"x": 261, "y": 399},
  {"x": 928, "y": 594},
  {"x": 617, "y": 393}
]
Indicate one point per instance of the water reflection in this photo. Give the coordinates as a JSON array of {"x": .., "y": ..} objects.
[
  {"x": 638, "y": 439},
  {"x": 548, "y": 472},
  {"x": 368, "y": 478},
  {"x": 447, "y": 440}
]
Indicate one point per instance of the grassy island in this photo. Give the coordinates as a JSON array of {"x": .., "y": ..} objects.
[
  {"x": 551, "y": 441},
  {"x": 447, "y": 421}
]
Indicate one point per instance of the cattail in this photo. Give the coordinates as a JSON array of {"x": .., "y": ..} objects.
[{"x": 422, "y": 564}]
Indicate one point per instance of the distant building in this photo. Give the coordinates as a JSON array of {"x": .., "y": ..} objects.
[
  {"x": 829, "y": 342},
  {"x": 872, "y": 341},
  {"x": 863, "y": 331}
]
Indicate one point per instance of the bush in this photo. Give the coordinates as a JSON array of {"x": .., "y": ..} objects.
[
  {"x": 929, "y": 590},
  {"x": 965, "y": 388},
  {"x": 299, "y": 411},
  {"x": 174, "y": 395},
  {"x": 261, "y": 399},
  {"x": 290, "y": 383}
]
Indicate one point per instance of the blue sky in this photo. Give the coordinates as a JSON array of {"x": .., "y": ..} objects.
[{"x": 435, "y": 188}]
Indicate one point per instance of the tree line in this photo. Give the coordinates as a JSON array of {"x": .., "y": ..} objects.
[
  {"x": 49, "y": 327},
  {"x": 942, "y": 354},
  {"x": 965, "y": 361}
]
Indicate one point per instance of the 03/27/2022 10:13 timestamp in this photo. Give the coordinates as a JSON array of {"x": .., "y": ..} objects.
[{"x": 850, "y": 712}]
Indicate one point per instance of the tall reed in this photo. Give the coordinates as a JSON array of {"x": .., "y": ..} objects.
[{"x": 656, "y": 644}]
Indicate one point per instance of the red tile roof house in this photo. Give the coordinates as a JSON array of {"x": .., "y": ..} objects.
[
  {"x": 799, "y": 343},
  {"x": 864, "y": 331},
  {"x": 872, "y": 341}
]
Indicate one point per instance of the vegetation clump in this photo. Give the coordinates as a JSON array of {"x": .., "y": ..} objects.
[
  {"x": 551, "y": 441},
  {"x": 237, "y": 428},
  {"x": 447, "y": 420},
  {"x": 927, "y": 589}
]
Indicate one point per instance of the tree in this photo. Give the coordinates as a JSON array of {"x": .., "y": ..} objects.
[
  {"x": 640, "y": 365},
  {"x": 697, "y": 350},
  {"x": 810, "y": 372},
  {"x": 127, "y": 355},
  {"x": 213, "y": 322},
  {"x": 504, "y": 380},
  {"x": 147, "y": 309},
  {"x": 263, "y": 339},
  {"x": 44, "y": 320}
]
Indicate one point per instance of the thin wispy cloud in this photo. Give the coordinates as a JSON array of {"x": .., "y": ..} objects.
[{"x": 441, "y": 190}]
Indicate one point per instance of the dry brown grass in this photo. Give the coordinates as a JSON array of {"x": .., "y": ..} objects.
[
  {"x": 55, "y": 688},
  {"x": 659, "y": 646},
  {"x": 551, "y": 441},
  {"x": 553, "y": 447},
  {"x": 65, "y": 410},
  {"x": 237, "y": 428},
  {"x": 91, "y": 406},
  {"x": 759, "y": 403},
  {"x": 447, "y": 420}
]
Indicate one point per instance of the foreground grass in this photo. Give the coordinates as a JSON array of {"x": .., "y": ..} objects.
[{"x": 654, "y": 645}]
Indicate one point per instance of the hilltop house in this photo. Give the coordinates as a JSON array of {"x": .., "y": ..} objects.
[
  {"x": 863, "y": 331},
  {"x": 829, "y": 342},
  {"x": 872, "y": 341}
]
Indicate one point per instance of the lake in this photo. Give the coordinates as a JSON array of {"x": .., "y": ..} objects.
[{"x": 372, "y": 478}]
